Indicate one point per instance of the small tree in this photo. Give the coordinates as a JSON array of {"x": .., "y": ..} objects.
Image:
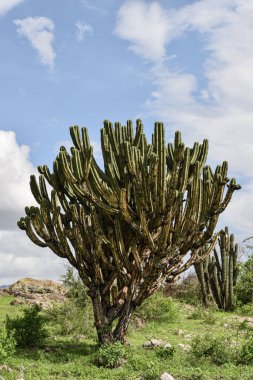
[{"x": 129, "y": 226}]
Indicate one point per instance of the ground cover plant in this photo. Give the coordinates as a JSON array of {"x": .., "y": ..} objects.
[
  {"x": 127, "y": 227},
  {"x": 225, "y": 353}
]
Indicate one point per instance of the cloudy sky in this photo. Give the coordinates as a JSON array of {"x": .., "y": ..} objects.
[{"x": 188, "y": 63}]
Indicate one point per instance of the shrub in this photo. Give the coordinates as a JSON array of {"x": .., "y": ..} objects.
[
  {"x": 198, "y": 313},
  {"x": 217, "y": 349},
  {"x": 246, "y": 354},
  {"x": 7, "y": 343},
  {"x": 165, "y": 353},
  {"x": 70, "y": 318},
  {"x": 151, "y": 374},
  {"x": 244, "y": 287},
  {"x": 28, "y": 330},
  {"x": 110, "y": 356},
  {"x": 246, "y": 309},
  {"x": 207, "y": 315},
  {"x": 159, "y": 308}
]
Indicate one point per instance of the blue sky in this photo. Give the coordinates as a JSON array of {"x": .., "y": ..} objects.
[{"x": 65, "y": 62}]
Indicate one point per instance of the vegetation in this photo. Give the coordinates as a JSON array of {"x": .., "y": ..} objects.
[
  {"x": 244, "y": 287},
  {"x": 218, "y": 273},
  {"x": 7, "y": 343},
  {"x": 225, "y": 353},
  {"x": 29, "y": 329},
  {"x": 75, "y": 315},
  {"x": 128, "y": 227}
]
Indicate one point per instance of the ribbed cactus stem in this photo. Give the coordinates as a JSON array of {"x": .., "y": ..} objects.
[{"x": 221, "y": 273}]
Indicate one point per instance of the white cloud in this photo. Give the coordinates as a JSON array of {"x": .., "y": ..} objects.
[
  {"x": 19, "y": 257},
  {"x": 15, "y": 169},
  {"x": 221, "y": 109},
  {"x": 239, "y": 213},
  {"x": 145, "y": 26},
  {"x": 83, "y": 29},
  {"x": 39, "y": 31},
  {"x": 7, "y": 5}
]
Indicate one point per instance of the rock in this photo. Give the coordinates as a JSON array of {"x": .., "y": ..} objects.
[
  {"x": 179, "y": 332},
  {"x": 166, "y": 376},
  {"x": 48, "y": 349},
  {"x": 188, "y": 337},
  {"x": 1, "y": 378},
  {"x": 168, "y": 346},
  {"x": 147, "y": 344},
  {"x": 156, "y": 343},
  {"x": 226, "y": 325},
  {"x": 17, "y": 302},
  {"x": 184, "y": 347},
  {"x": 42, "y": 292},
  {"x": 139, "y": 322},
  {"x": 6, "y": 368}
]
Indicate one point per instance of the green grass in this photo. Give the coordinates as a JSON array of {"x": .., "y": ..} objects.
[
  {"x": 69, "y": 360},
  {"x": 6, "y": 308}
]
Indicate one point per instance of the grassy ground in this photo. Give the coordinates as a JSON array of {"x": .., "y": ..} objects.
[{"x": 67, "y": 359}]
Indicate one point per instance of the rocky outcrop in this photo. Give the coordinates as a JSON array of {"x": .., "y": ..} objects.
[{"x": 31, "y": 291}]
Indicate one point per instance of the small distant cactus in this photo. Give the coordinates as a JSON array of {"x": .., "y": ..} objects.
[{"x": 218, "y": 273}]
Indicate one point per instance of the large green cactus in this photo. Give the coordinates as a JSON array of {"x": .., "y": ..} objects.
[
  {"x": 218, "y": 273},
  {"x": 127, "y": 226}
]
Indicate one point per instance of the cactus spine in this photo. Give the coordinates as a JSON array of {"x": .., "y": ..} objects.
[
  {"x": 217, "y": 274},
  {"x": 128, "y": 227}
]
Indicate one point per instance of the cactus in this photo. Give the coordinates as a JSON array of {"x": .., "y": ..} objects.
[
  {"x": 127, "y": 227},
  {"x": 217, "y": 274}
]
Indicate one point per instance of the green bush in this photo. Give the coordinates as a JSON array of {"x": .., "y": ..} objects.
[
  {"x": 244, "y": 286},
  {"x": 246, "y": 353},
  {"x": 74, "y": 316},
  {"x": 218, "y": 349},
  {"x": 198, "y": 313},
  {"x": 70, "y": 318},
  {"x": 165, "y": 353},
  {"x": 110, "y": 356},
  {"x": 246, "y": 309},
  {"x": 159, "y": 308},
  {"x": 7, "y": 343},
  {"x": 151, "y": 374},
  {"x": 28, "y": 330}
]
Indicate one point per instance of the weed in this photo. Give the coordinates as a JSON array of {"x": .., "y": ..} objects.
[
  {"x": 218, "y": 349},
  {"x": 110, "y": 356},
  {"x": 165, "y": 353}
]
